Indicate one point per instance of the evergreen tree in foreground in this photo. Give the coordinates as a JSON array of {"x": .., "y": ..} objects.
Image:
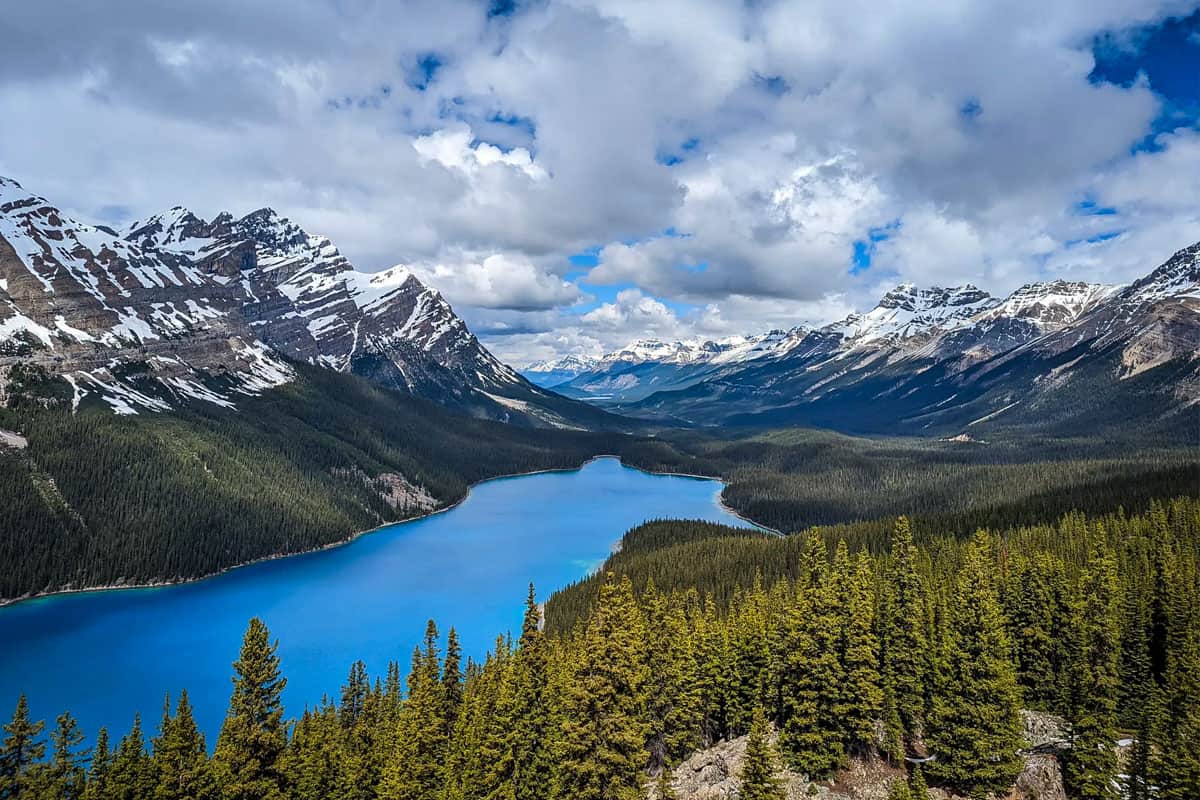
[
  {"x": 63, "y": 778},
  {"x": 1091, "y": 765},
  {"x": 254, "y": 737},
  {"x": 132, "y": 774},
  {"x": 181, "y": 759},
  {"x": 758, "y": 769},
  {"x": 975, "y": 730},
  {"x": 416, "y": 767},
  {"x": 20, "y": 750},
  {"x": 904, "y": 633},
  {"x": 604, "y": 725},
  {"x": 97, "y": 774}
]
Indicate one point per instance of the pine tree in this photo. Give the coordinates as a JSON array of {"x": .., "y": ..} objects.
[
  {"x": 415, "y": 769},
  {"x": 63, "y": 777},
  {"x": 1090, "y": 767},
  {"x": 20, "y": 750},
  {"x": 975, "y": 729},
  {"x": 313, "y": 759},
  {"x": 672, "y": 692},
  {"x": 899, "y": 790},
  {"x": 1032, "y": 609},
  {"x": 522, "y": 767},
  {"x": 812, "y": 678},
  {"x": 860, "y": 698},
  {"x": 1176, "y": 768},
  {"x": 712, "y": 665},
  {"x": 604, "y": 729},
  {"x": 758, "y": 781},
  {"x": 254, "y": 737},
  {"x": 354, "y": 695},
  {"x": 181, "y": 758},
  {"x": 131, "y": 776},
  {"x": 904, "y": 641},
  {"x": 96, "y": 787},
  {"x": 452, "y": 679},
  {"x": 749, "y": 673}
]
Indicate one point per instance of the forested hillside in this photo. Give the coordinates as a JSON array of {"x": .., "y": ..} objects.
[
  {"x": 926, "y": 649},
  {"x": 98, "y": 499}
]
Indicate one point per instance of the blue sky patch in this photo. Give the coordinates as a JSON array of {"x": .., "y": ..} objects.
[
  {"x": 424, "y": 71},
  {"x": 774, "y": 85},
  {"x": 864, "y": 249},
  {"x": 1167, "y": 54}
]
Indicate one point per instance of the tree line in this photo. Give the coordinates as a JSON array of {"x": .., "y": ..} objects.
[{"x": 928, "y": 649}]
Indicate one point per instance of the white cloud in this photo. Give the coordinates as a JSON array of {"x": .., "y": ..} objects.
[
  {"x": 508, "y": 281},
  {"x": 969, "y": 130}
]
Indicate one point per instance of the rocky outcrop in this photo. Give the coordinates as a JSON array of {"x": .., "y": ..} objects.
[{"x": 713, "y": 773}]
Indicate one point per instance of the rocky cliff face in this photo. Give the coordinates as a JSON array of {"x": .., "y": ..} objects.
[{"x": 176, "y": 308}]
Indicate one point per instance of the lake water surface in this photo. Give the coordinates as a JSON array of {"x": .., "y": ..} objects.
[{"x": 103, "y": 655}]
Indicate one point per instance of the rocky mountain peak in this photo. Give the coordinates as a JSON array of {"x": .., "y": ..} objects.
[{"x": 177, "y": 307}]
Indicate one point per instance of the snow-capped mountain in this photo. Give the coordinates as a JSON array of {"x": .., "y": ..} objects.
[
  {"x": 645, "y": 366},
  {"x": 939, "y": 358},
  {"x": 177, "y": 307},
  {"x": 908, "y": 313}
]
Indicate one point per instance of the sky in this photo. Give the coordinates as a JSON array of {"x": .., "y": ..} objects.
[{"x": 574, "y": 174}]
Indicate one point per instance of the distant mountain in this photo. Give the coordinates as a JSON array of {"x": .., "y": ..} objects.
[
  {"x": 646, "y": 366},
  {"x": 1058, "y": 354},
  {"x": 551, "y": 373},
  {"x": 175, "y": 309}
]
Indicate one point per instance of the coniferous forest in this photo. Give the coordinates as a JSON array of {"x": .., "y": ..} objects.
[
  {"x": 874, "y": 641},
  {"x": 97, "y": 499}
]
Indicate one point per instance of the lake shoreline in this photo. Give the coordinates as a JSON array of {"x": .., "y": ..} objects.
[{"x": 160, "y": 584}]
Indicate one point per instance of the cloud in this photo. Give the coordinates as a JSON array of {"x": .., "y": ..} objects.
[
  {"x": 505, "y": 281},
  {"x": 725, "y": 159}
]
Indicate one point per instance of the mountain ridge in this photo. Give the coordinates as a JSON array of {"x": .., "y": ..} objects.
[
  {"x": 923, "y": 343},
  {"x": 175, "y": 308}
]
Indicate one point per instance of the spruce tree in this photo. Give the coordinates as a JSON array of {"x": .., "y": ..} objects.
[
  {"x": 712, "y": 665},
  {"x": 758, "y": 781},
  {"x": 313, "y": 758},
  {"x": 899, "y": 790},
  {"x": 811, "y": 737},
  {"x": 602, "y": 752},
  {"x": 181, "y": 758},
  {"x": 452, "y": 678},
  {"x": 415, "y": 768},
  {"x": 96, "y": 787},
  {"x": 247, "y": 759},
  {"x": 860, "y": 698},
  {"x": 20, "y": 750},
  {"x": 904, "y": 639},
  {"x": 63, "y": 777},
  {"x": 975, "y": 729},
  {"x": 672, "y": 692},
  {"x": 522, "y": 762},
  {"x": 1176, "y": 768},
  {"x": 131, "y": 776},
  {"x": 1090, "y": 766}
]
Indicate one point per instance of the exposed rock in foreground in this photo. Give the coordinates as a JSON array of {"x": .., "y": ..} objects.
[{"x": 713, "y": 774}]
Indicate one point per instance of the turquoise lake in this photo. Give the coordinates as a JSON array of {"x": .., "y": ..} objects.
[{"x": 104, "y": 655}]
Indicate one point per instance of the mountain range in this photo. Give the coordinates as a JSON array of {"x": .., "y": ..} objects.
[
  {"x": 1057, "y": 354},
  {"x": 174, "y": 309}
]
